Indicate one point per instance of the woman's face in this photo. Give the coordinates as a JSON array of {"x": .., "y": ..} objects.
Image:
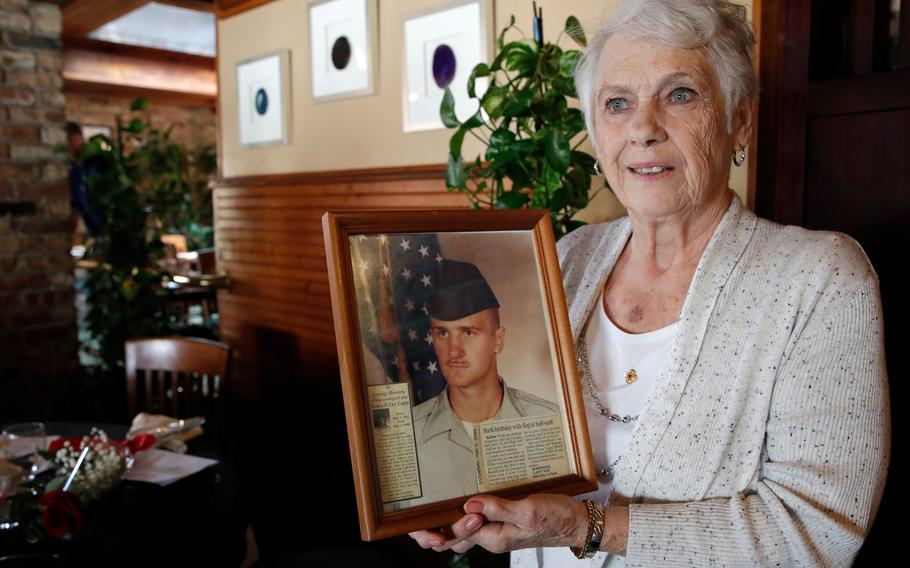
[{"x": 659, "y": 122}]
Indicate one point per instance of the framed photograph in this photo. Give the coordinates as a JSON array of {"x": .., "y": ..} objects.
[
  {"x": 456, "y": 360},
  {"x": 342, "y": 47},
  {"x": 263, "y": 99},
  {"x": 440, "y": 49}
]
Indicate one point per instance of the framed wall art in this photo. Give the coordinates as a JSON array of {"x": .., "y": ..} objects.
[
  {"x": 457, "y": 362},
  {"x": 263, "y": 99},
  {"x": 440, "y": 50},
  {"x": 342, "y": 47}
]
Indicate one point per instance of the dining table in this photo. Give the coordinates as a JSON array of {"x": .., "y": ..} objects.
[{"x": 195, "y": 521}]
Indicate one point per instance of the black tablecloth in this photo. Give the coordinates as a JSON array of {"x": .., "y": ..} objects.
[{"x": 196, "y": 521}]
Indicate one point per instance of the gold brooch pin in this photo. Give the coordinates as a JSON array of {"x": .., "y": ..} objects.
[{"x": 631, "y": 376}]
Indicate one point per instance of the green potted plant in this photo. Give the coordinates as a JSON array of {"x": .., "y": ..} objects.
[
  {"x": 530, "y": 132},
  {"x": 146, "y": 185}
]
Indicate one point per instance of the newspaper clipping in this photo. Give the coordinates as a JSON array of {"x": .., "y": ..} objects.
[
  {"x": 511, "y": 452},
  {"x": 393, "y": 435}
]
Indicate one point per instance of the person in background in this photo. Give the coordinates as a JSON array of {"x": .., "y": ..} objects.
[{"x": 80, "y": 170}]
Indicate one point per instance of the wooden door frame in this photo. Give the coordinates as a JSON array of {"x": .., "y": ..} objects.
[{"x": 783, "y": 62}]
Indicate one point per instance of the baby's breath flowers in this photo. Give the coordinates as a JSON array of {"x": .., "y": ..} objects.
[{"x": 102, "y": 469}]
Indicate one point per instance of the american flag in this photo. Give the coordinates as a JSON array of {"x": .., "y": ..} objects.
[{"x": 393, "y": 276}]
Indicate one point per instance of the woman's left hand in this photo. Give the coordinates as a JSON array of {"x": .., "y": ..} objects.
[{"x": 538, "y": 520}]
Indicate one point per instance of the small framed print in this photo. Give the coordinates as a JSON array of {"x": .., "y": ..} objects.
[
  {"x": 342, "y": 47},
  {"x": 263, "y": 99},
  {"x": 440, "y": 49},
  {"x": 457, "y": 363}
]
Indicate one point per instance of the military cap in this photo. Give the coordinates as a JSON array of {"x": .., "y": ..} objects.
[{"x": 461, "y": 290}]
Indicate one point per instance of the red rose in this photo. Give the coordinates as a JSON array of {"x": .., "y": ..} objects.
[
  {"x": 141, "y": 443},
  {"x": 61, "y": 513}
]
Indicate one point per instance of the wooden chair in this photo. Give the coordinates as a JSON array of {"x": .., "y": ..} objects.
[{"x": 178, "y": 376}]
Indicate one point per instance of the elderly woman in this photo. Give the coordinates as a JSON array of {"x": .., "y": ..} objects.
[{"x": 746, "y": 356}]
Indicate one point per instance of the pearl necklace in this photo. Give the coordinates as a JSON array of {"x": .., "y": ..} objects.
[{"x": 606, "y": 473}]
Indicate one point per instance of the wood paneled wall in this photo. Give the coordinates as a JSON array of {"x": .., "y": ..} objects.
[{"x": 268, "y": 233}]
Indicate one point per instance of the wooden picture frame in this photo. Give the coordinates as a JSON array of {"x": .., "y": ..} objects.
[{"x": 383, "y": 266}]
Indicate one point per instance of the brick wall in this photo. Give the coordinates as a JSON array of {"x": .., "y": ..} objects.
[
  {"x": 195, "y": 125},
  {"x": 37, "y": 321}
]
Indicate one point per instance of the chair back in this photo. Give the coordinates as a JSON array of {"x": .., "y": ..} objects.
[{"x": 178, "y": 376}]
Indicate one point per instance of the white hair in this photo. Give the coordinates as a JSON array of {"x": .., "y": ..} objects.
[{"x": 718, "y": 26}]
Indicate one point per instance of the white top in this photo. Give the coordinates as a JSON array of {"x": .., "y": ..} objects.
[{"x": 611, "y": 353}]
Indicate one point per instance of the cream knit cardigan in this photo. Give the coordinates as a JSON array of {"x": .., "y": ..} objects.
[{"x": 766, "y": 439}]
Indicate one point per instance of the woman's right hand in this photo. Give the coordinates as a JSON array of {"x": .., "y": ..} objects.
[{"x": 450, "y": 537}]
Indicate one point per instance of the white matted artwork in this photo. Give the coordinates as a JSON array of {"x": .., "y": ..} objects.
[
  {"x": 263, "y": 95},
  {"x": 440, "y": 49},
  {"x": 342, "y": 47}
]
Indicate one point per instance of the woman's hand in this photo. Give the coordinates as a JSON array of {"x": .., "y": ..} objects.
[
  {"x": 451, "y": 537},
  {"x": 538, "y": 520}
]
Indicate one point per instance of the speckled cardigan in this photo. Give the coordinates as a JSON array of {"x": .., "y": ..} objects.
[{"x": 766, "y": 439}]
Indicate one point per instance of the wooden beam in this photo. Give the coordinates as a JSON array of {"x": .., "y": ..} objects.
[
  {"x": 125, "y": 91},
  {"x": 198, "y": 5},
  {"x": 140, "y": 52},
  {"x": 87, "y": 67},
  {"x": 80, "y": 17},
  {"x": 228, "y": 8}
]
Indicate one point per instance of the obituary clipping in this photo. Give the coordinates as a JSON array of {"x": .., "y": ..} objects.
[{"x": 393, "y": 435}]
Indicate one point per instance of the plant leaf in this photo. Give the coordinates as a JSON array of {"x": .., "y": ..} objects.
[
  {"x": 139, "y": 104},
  {"x": 475, "y": 120},
  {"x": 567, "y": 62},
  {"x": 447, "y": 110},
  {"x": 550, "y": 60},
  {"x": 500, "y": 145},
  {"x": 135, "y": 126},
  {"x": 480, "y": 70},
  {"x": 455, "y": 173},
  {"x": 493, "y": 101},
  {"x": 557, "y": 150},
  {"x": 574, "y": 122},
  {"x": 502, "y": 35},
  {"x": 519, "y": 104},
  {"x": 512, "y": 200},
  {"x": 558, "y": 199},
  {"x": 575, "y": 31},
  {"x": 456, "y": 141},
  {"x": 583, "y": 161},
  {"x": 521, "y": 58}
]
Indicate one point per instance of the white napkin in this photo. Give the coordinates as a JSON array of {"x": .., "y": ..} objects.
[
  {"x": 144, "y": 421},
  {"x": 163, "y": 467}
]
